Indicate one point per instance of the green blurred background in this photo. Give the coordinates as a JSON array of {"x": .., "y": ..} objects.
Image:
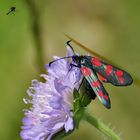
[{"x": 111, "y": 28}]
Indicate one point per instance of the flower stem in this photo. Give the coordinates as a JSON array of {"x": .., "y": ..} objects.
[
  {"x": 37, "y": 34},
  {"x": 101, "y": 126}
]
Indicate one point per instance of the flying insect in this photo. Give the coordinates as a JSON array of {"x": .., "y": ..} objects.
[{"x": 11, "y": 10}]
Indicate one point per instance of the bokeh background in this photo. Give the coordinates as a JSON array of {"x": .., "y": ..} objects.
[{"x": 110, "y": 28}]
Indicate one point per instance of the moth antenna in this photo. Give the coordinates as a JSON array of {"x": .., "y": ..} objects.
[
  {"x": 68, "y": 43},
  {"x": 89, "y": 50},
  {"x": 59, "y": 59}
]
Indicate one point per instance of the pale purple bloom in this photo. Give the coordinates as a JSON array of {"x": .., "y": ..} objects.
[{"x": 51, "y": 101}]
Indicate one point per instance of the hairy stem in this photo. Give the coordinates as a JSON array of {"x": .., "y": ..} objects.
[{"x": 101, "y": 126}]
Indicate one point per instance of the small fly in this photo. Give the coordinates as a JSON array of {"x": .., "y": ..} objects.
[{"x": 11, "y": 10}]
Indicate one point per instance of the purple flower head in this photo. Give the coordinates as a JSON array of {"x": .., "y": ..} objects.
[{"x": 51, "y": 101}]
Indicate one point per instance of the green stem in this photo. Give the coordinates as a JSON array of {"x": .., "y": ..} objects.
[
  {"x": 101, "y": 126},
  {"x": 61, "y": 135},
  {"x": 37, "y": 34}
]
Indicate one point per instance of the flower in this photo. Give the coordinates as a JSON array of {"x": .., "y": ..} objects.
[{"x": 51, "y": 101}]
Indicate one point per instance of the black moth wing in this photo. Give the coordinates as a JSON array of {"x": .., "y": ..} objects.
[
  {"x": 112, "y": 74},
  {"x": 96, "y": 85},
  {"x": 89, "y": 91}
]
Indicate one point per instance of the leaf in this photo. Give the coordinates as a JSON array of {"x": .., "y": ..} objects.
[
  {"x": 76, "y": 102},
  {"x": 61, "y": 134}
]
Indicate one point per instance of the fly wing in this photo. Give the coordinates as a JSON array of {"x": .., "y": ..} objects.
[
  {"x": 96, "y": 86},
  {"x": 112, "y": 74}
]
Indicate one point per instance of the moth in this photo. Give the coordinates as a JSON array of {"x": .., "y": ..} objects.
[{"x": 95, "y": 72}]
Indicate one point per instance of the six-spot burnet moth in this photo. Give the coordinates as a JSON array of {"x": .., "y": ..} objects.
[{"x": 96, "y": 71}]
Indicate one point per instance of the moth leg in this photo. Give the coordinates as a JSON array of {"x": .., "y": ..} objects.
[
  {"x": 81, "y": 83},
  {"x": 72, "y": 65}
]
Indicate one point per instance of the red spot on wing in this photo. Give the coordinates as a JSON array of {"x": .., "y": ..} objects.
[
  {"x": 121, "y": 80},
  {"x": 96, "y": 84},
  {"x": 109, "y": 69},
  {"x": 86, "y": 71},
  {"x": 119, "y": 73},
  {"x": 96, "y": 62},
  {"x": 102, "y": 78},
  {"x": 106, "y": 97},
  {"x": 100, "y": 93}
]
